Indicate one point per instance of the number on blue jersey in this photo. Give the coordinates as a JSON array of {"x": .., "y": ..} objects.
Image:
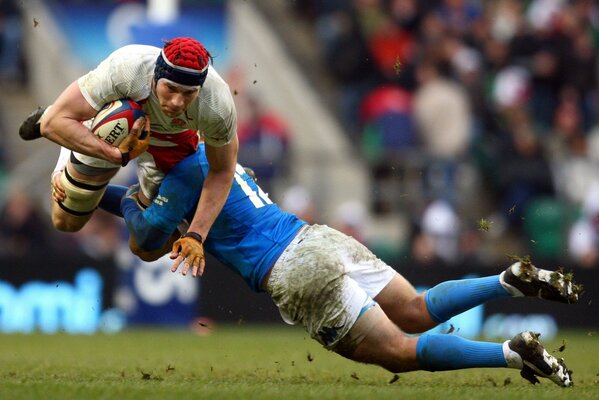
[{"x": 258, "y": 198}]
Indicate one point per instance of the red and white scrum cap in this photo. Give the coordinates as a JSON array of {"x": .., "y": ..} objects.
[{"x": 184, "y": 61}]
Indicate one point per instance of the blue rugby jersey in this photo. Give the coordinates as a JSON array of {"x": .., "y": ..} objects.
[{"x": 249, "y": 234}]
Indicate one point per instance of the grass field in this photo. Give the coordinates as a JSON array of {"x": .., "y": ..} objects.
[{"x": 244, "y": 362}]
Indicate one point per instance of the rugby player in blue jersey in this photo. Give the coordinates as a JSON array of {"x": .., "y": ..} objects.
[{"x": 347, "y": 299}]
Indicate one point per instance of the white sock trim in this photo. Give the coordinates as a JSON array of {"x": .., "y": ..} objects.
[
  {"x": 509, "y": 288},
  {"x": 512, "y": 358}
]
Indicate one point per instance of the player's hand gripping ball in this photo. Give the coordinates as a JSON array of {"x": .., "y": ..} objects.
[
  {"x": 123, "y": 124},
  {"x": 114, "y": 122}
]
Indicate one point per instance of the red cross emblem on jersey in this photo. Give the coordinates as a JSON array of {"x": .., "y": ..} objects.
[{"x": 178, "y": 122}]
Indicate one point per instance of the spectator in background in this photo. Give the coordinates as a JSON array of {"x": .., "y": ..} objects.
[
  {"x": 444, "y": 125},
  {"x": 265, "y": 140},
  {"x": 583, "y": 237},
  {"x": 392, "y": 45},
  {"x": 387, "y": 136},
  {"x": 386, "y": 118},
  {"x": 514, "y": 145},
  {"x": 441, "y": 224},
  {"x": 525, "y": 71},
  {"x": 466, "y": 69},
  {"x": 347, "y": 55},
  {"x": 580, "y": 72},
  {"x": 298, "y": 200},
  {"x": 351, "y": 218},
  {"x": 567, "y": 149},
  {"x": 11, "y": 37},
  {"x": 406, "y": 14},
  {"x": 459, "y": 16},
  {"x": 523, "y": 173},
  {"x": 22, "y": 227}
]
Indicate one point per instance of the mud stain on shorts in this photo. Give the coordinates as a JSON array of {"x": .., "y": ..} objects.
[{"x": 308, "y": 284}]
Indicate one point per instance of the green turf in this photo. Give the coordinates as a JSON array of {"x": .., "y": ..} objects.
[{"x": 242, "y": 362}]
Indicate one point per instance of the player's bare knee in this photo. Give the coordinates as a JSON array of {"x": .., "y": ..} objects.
[
  {"x": 144, "y": 255},
  {"x": 65, "y": 224}
]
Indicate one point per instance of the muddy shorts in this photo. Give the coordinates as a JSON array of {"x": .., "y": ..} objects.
[{"x": 326, "y": 280}]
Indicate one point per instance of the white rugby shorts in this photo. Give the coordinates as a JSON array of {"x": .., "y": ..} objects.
[{"x": 325, "y": 280}]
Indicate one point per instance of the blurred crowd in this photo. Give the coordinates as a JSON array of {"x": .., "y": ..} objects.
[{"x": 478, "y": 119}]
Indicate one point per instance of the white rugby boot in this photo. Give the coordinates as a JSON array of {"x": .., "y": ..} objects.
[
  {"x": 524, "y": 279},
  {"x": 536, "y": 361}
]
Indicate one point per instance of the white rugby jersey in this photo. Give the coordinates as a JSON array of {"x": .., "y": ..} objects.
[{"x": 128, "y": 73}]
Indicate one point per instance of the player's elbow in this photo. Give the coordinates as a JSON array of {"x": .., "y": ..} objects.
[{"x": 48, "y": 127}]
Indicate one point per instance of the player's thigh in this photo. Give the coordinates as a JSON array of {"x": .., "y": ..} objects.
[
  {"x": 84, "y": 188},
  {"x": 398, "y": 293}
]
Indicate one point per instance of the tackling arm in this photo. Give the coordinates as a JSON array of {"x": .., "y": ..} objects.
[
  {"x": 217, "y": 185},
  {"x": 215, "y": 190}
]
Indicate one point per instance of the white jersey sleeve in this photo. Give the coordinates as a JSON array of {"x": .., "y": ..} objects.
[
  {"x": 126, "y": 73},
  {"x": 217, "y": 122}
]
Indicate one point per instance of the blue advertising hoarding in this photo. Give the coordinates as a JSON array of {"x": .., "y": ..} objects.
[{"x": 95, "y": 29}]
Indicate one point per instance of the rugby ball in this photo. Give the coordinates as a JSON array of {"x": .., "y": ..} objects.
[{"x": 113, "y": 122}]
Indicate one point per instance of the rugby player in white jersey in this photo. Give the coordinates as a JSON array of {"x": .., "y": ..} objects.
[{"x": 182, "y": 96}]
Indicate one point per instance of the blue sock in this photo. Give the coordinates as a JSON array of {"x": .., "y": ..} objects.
[
  {"x": 111, "y": 201},
  {"x": 449, "y": 352},
  {"x": 454, "y": 297}
]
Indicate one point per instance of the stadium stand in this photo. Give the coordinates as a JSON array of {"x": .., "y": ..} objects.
[
  {"x": 525, "y": 73},
  {"x": 382, "y": 69}
]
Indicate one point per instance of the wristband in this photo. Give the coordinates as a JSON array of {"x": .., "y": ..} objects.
[
  {"x": 195, "y": 236},
  {"x": 124, "y": 159}
]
